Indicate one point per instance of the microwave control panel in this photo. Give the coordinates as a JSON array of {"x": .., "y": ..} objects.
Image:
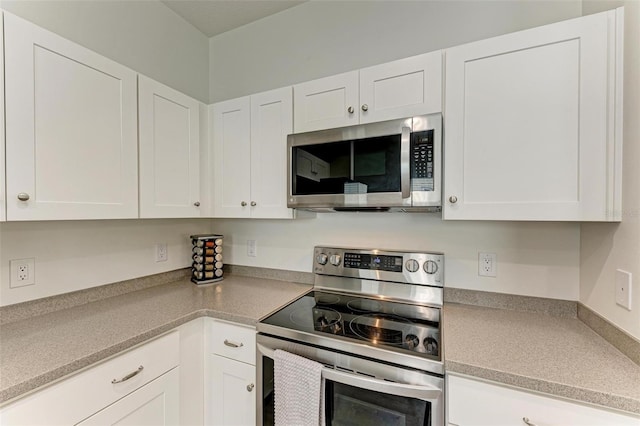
[{"x": 422, "y": 161}]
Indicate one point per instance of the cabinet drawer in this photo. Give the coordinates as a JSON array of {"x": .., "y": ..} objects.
[
  {"x": 234, "y": 341},
  {"x": 472, "y": 402},
  {"x": 83, "y": 394}
]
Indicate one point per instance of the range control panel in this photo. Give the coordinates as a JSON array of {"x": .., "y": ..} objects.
[{"x": 381, "y": 265}]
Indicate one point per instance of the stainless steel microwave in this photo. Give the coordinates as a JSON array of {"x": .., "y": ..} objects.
[{"x": 392, "y": 165}]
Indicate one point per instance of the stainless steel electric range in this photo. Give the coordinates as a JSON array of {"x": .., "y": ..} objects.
[{"x": 374, "y": 319}]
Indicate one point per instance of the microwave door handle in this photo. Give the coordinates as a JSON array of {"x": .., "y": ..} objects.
[
  {"x": 405, "y": 162},
  {"x": 423, "y": 392}
]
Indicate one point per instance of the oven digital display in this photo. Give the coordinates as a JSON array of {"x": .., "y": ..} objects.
[{"x": 373, "y": 261}]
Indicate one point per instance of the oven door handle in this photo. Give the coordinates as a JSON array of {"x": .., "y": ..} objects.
[{"x": 423, "y": 392}]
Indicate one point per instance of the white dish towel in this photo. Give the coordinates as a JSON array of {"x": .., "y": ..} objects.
[{"x": 298, "y": 390}]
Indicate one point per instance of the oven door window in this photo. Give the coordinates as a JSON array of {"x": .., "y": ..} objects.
[
  {"x": 351, "y": 406},
  {"x": 370, "y": 165}
]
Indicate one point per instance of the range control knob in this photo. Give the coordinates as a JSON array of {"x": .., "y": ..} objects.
[
  {"x": 430, "y": 267},
  {"x": 412, "y": 265},
  {"x": 412, "y": 341},
  {"x": 322, "y": 258},
  {"x": 335, "y": 259}
]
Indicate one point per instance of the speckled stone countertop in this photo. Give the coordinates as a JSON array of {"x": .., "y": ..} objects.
[
  {"x": 41, "y": 349},
  {"x": 548, "y": 354}
]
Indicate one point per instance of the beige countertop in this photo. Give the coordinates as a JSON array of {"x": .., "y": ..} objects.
[
  {"x": 558, "y": 356},
  {"x": 553, "y": 355},
  {"x": 41, "y": 349}
]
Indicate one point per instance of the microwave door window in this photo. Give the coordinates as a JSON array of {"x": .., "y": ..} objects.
[
  {"x": 361, "y": 166},
  {"x": 322, "y": 168},
  {"x": 376, "y": 164}
]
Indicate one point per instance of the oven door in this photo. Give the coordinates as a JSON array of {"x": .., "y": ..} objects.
[{"x": 357, "y": 390}]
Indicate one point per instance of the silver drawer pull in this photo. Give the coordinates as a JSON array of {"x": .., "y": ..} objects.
[
  {"x": 232, "y": 344},
  {"x": 250, "y": 387},
  {"x": 527, "y": 422},
  {"x": 128, "y": 376}
]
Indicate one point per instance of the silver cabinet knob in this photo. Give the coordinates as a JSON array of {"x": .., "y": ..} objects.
[
  {"x": 453, "y": 199},
  {"x": 197, "y": 204},
  {"x": 365, "y": 107},
  {"x": 23, "y": 196},
  {"x": 253, "y": 204},
  {"x": 243, "y": 204},
  {"x": 250, "y": 387},
  {"x": 350, "y": 110}
]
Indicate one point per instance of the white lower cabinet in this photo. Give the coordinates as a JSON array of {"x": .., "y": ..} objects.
[
  {"x": 230, "y": 392},
  {"x": 154, "y": 404},
  {"x": 479, "y": 403},
  {"x": 135, "y": 387},
  {"x": 233, "y": 392}
]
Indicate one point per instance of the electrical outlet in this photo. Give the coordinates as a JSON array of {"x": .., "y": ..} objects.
[
  {"x": 23, "y": 272},
  {"x": 624, "y": 284},
  {"x": 487, "y": 264},
  {"x": 162, "y": 252},
  {"x": 252, "y": 248}
]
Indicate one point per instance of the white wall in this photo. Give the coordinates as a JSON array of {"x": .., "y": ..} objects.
[
  {"x": 321, "y": 38},
  {"x": 149, "y": 38},
  {"x": 317, "y": 39},
  {"x": 607, "y": 247},
  {"x": 74, "y": 255},
  {"x": 146, "y": 36},
  {"x": 534, "y": 259}
]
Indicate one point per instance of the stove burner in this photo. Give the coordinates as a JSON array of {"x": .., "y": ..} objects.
[
  {"x": 376, "y": 328},
  {"x": 327, "y": 320},
  {"x": 326, "y": 299},
  {"x": 364, "y": 305}
]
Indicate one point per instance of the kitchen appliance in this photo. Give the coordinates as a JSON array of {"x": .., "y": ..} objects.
[
  {"x": 374, "y": 319},
  {"x": 385, "y": 166}
]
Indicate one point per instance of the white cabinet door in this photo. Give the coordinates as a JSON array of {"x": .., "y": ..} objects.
[
  {"x": 232, "y": 157},
  {"x": 403, "y": 88},
  {"x": 154, "y": 404},
  {"x": 532, "y": 124},
  {"x": 233, "y": 394},
  {"x": 476, "y": 403},
  {"x": 250, "y": 155},
  {"x": 326, "y": 103},
  {"x": 3, "y": 205},
  {"x": 271, "y": 122},
  {"x": 169, "y": 151},
  {"x": 71, "y": 129}
]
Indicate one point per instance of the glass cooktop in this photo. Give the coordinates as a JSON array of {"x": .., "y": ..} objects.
[{"x": 395, "y": 325}]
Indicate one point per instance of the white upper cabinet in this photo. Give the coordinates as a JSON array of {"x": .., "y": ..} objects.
[
  {"x": 403, "y": 88},
  {"x": 326, "y": 103},
  {"x": 250, "y": 155},
  {"x": 271, "y": 122},
  {"x": 71, "y": 129},
  {"x": 3, "y": 205},
  {"x": 169, "y": 131},
  {"x": 533, "y": 124},
  {"x": 231, "y": 158}
]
